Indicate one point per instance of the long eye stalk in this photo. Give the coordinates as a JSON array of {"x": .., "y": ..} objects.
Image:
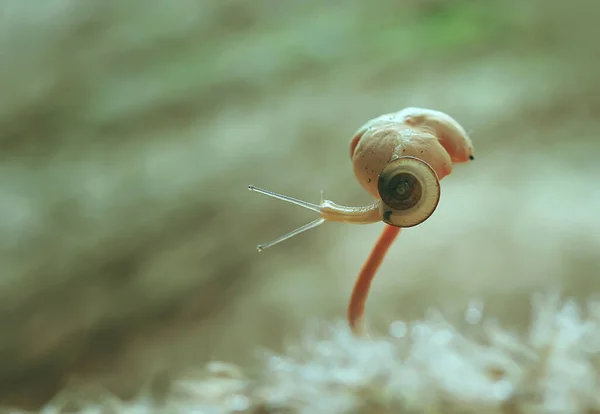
[
  {"x": 328, "y": 211},
  {"x": 291, "y": 234},
  {"x": 305, "y": 204}
]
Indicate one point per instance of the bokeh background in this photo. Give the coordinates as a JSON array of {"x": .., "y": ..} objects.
[{"x": 130, "y": 130}]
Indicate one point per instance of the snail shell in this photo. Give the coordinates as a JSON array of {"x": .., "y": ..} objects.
[{"x": 409, "y": 189}]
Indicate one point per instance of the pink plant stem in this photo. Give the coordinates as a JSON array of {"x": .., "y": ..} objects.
[{"x": 356, "y": 307}]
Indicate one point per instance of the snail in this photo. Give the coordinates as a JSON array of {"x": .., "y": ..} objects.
[{"x": 399, "y": 159}]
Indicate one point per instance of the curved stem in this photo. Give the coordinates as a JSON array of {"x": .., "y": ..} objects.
[{"x": 356, "y": 307}]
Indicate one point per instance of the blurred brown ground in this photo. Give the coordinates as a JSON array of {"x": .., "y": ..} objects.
[{"x": 129, "y": 132}]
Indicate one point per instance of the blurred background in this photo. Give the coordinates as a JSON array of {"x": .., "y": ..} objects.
[{"x": 129, "y": 132}]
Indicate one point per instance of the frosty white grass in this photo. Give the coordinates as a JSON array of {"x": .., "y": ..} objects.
[{"x": 421, "y": 366}]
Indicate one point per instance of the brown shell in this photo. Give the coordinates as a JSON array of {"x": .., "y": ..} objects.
[{"x": 409, "y": 189}]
